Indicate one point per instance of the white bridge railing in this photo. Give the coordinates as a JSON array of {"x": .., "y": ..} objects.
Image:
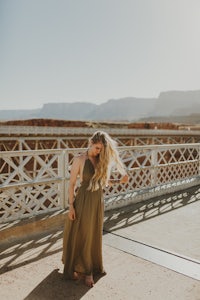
[
  {"x": 47, "y": 130},
  {"x": 34, "y": 182}
]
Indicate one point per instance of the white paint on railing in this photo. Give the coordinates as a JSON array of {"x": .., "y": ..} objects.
[
  {"x": 36, "y": 181},
  {"x": 20, "y": 130}
]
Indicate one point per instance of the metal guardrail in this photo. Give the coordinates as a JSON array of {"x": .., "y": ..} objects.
[
  {"x": 34, "y": 182},
  {"x": 46, "y": 130},
  {"x": 19, "y": 138}
]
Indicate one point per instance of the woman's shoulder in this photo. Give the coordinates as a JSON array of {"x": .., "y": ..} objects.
[{"x": 80, "y": 157}]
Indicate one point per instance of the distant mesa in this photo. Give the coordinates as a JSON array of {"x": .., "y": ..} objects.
[{"x": 171, "y": 106}]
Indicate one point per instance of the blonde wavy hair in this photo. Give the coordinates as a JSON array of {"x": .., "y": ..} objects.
[{"x": 109, "y": 155}]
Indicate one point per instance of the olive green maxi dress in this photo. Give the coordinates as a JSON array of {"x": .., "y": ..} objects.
[{"x": 82, "y": 238}]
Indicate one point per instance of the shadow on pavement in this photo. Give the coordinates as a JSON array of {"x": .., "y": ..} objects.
[
  {"x": 145, "y": 210},
  {"x": 23, "y": 252},
  {"x": 54, "y": 286}
]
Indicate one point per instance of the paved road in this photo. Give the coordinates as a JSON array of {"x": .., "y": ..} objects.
[{"x": 33, "y": 269}]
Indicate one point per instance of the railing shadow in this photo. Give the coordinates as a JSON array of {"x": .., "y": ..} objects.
[
  {"x": 54, "y": 286},
  {"x": 145, "y": 210},
  {"x": 20, "y": 253},
  {"x": 23, "y": 252}
]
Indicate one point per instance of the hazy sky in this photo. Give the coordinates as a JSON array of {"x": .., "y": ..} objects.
[{"x": 95, "y": 50}]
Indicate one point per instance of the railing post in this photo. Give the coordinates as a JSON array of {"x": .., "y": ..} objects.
[
  {"x": 199, "y": 160},
  {"x": 66, "y": 166},
  {"x": 61, "y": 173},
  {"x": 154, "y": 163}
]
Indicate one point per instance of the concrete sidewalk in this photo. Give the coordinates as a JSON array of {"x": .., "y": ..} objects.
[{"x": 33, "y": 269}]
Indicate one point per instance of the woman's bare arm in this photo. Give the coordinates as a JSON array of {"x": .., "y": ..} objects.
[{"x": 75, "y": 171}]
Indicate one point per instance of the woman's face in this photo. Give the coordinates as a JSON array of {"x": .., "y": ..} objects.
[{"x": 95, "y": 149}]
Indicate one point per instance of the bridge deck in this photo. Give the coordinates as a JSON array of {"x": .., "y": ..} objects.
[{"x": 168, "y": 224}]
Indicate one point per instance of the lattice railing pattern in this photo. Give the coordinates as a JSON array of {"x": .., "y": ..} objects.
[
  {"x": 25, "y": 201},
  {"x": 155, "y": 165},
  {"x": 78, "y": 137},
  {"x": 28, "y": 166},
  {"x": 36, "y": 181}
]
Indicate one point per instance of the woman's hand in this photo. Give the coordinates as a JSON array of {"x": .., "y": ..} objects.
[
  {"x": 71, "y": 213},
  {"x": 124, "y": 179}
]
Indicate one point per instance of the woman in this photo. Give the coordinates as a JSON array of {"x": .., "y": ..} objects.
[{"x": 82, "y": 240}]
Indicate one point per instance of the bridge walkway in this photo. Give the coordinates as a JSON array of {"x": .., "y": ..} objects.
[{"x": 151, "y": 251}]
